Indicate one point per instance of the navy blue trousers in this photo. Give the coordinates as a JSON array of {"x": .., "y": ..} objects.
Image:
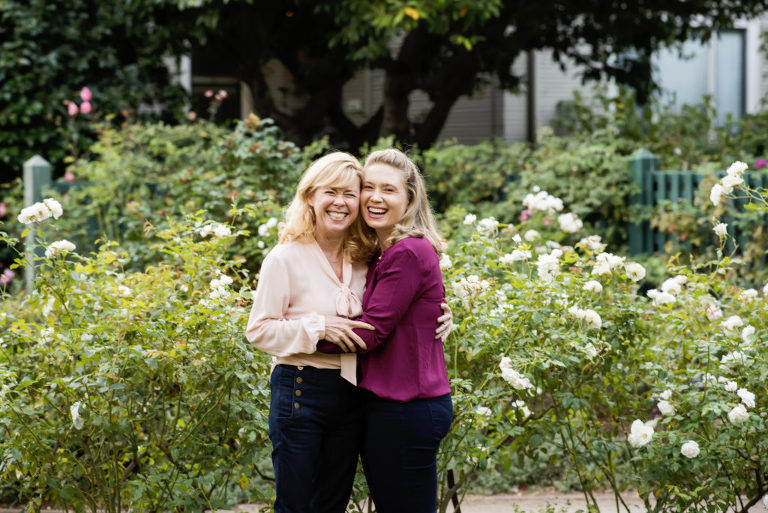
[
  {"x": 315, "y": 424},
  {"x": 399, "y": 452}
]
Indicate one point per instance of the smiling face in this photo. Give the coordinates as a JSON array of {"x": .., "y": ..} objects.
[
  {"x": 384, "y": 198},
  {"x": 335, "y": 207}
]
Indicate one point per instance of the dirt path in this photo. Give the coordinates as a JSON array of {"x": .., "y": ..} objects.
[{"x": 525, "y": 502}]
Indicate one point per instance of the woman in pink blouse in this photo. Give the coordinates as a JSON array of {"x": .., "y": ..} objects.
[
  {"x": 310, "y": 285},
  {"x": 408, "y": 408}
]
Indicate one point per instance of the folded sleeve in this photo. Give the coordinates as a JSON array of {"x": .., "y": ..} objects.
[{"x": 268, "y": 329}]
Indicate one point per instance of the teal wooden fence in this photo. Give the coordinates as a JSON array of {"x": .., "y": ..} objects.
[{"x": 652, "y": 187}]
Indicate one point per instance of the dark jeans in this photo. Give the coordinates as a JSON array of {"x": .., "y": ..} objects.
[
  {"x": 315, "y": 424},
  {"x": 400, "y": 451}
]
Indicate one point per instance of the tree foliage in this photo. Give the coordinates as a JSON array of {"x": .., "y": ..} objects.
[
  {"x": 445, "y": 48},
  {"x": 50, "y": 49}
]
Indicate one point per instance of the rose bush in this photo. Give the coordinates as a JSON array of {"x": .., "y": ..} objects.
[{"x": 132, "y": 388}]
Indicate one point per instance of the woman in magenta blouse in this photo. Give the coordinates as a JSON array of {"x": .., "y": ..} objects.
[{"x": 408, "y": 408}]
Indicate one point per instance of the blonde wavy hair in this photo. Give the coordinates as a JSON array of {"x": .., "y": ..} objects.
[
  {"x": 337, "y": 169},
  {"x": 418, "y": 220}
]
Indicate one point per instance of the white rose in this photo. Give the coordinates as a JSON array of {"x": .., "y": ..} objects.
[
  {"x": 222, "y": 231},
  {"x": 590, "y": 350},
  {"x": 593, "y": 287},
  {"x": 532, "y": 235},
  {"x": 54, "y": 206},
  {"x": 736, "y": 169},
  {"x": 524, "y": 411},
  {"x": 716, "y": 193},
  {"x": 713, "y": 312},
  {"x": 732, "y": 323},
  {"x": 635, "y": 271},
  {"x": 721, "y": 230},
  {"x": 487, "y": 226},
  {"x": 640, "y": 434},
  {"x": 666, "y": 408},
  {"x": 660, "y": 298},
  {"x": 445, "y": 262},
  {"x": 674, "y": 285},
  {"x": 730, "y": 386},
  {"x": 666, "y": 395},
  {"x": 58, "y": 248},
  {"x": 483, "y": 411},
  {"x": 747, "y": 333},
  {"x": 747, "y": 397},
  {"x": 470, "y": 219},
  {"x": 690, "y": 449},
  {"x": 731, "y": 181},
  {"x": 569, "y": 222},
  {"x": 738, "y": 414}
]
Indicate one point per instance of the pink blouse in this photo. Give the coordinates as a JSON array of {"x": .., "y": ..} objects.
[{"x": 297, "y": 288}]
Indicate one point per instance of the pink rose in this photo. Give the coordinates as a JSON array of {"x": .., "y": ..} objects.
[
  {"x": 69, "y": 176},
  {"x": 6, "y": 277},
  {"x": 72, "y": 109},
  {"x": 547, "y": 221},
  {"x": 3, "y": 210},
  {"x": 192, "y": 115},
  {"x": 85, "y": 94},
  {"x": 760, "y": 163},
  {"x": 525, "y": 215},
  {"x": 85, "y": 107},
  {"x": 208, "y": 93}
]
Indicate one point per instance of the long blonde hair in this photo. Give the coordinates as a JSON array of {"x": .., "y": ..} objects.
[
  {"x": 332, "y": 170},
  {"x": 418, "y": 220}
]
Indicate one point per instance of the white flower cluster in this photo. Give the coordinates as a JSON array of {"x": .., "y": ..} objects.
[
  {"x": 748, "y": 334},
  {"x": 593, "y": 243},
  {"x": 640, "y": 433},
  {"x": 58, "y": 248},
  {"x": 219, "y": 286},
  {"x": 665, "y": 296},
  {"x": 548, "y": 266},
  {"x": 483, "y": 411},
  {"x": 41, "y": 211},
  {"x": 516, "y": 256},
  {"x": 524, "y": 410},
  {"x": 487, "y": 226},
  {"x": 542, "y": 201},
  {"x": 733, "y": 177},
  {"x": 445, "y": 262},
  {"x": 511, "y": 376},
  {"x": 217, "y": 229},
  {"x": 674, "y": 285},
  {"x": 605, "y": 263},
  {"x": 731, "y": 324},
  {"x": 264, "y": 228},
  {"x": 690, "y": 449},
  {"x": 721, "y": 230},
  {"x": 590, "y": 317},
  {"x": 469, "y": 285},
  {"x": 570, "y": 222},
  {"x": 713, "y": 312},
  {"x": 748, "y": 294}
]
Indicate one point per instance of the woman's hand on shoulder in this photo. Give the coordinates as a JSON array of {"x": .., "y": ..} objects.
[{"x": 338, "y": 330}]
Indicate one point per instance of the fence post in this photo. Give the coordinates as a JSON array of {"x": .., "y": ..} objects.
[
  {"x": 641, "y": 164},
  {"x": 37, "y": 177}
]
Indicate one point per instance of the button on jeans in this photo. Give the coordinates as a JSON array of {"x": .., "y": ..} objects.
[
  {"x": 315, "y": 424},
  {"x": 399, "y": 454}
]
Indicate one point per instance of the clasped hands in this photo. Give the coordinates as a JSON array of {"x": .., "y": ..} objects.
[{"x": 338, "y": 330}]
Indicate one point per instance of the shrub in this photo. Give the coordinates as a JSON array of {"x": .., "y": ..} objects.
[{"x": 133, "y": 388}]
